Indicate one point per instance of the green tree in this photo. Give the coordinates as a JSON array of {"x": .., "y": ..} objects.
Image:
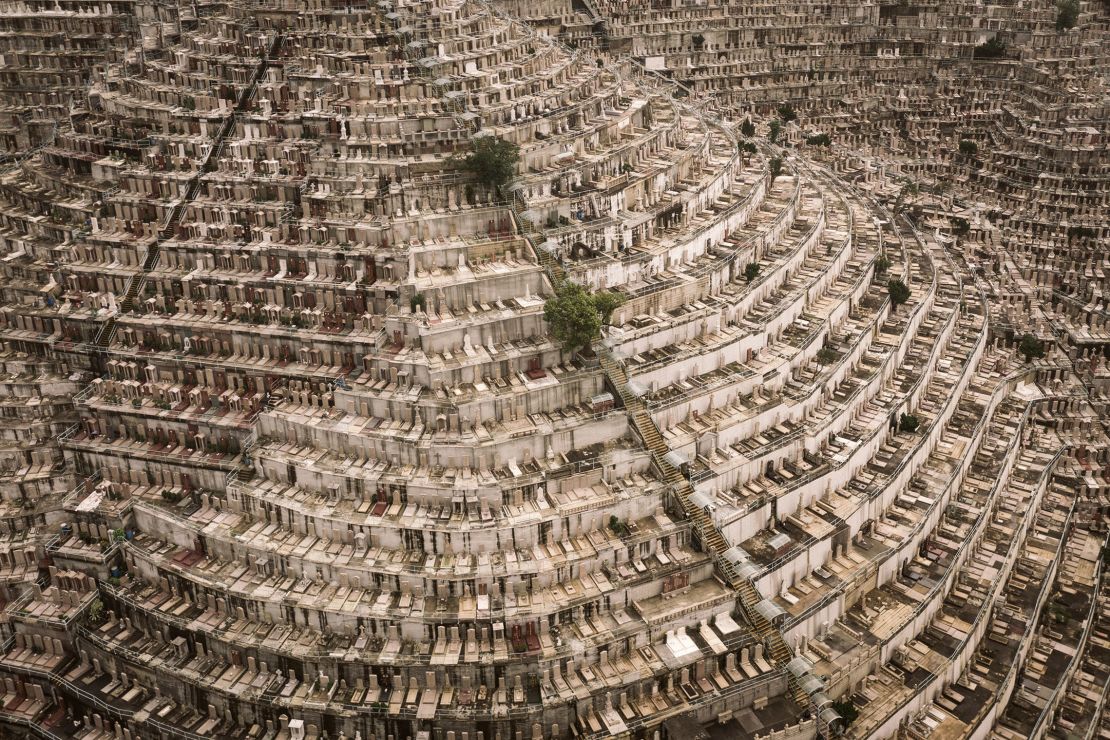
[
  {"x": 819, "y": 140},
  {"x": 776, "y": 167},
  {"x": 776, "y": 128},
  {"x": 1081, "y": 232},
  {"x": 698, "y": 40},
  {"x": 908, "y": 190},
  {"x": 882, "y": 264},
  {"x": 847, "y": 711},
  {"x": 968, "y": 147},
  {"x": 826, "y": 356},
  {"x": 991, "y": 49},
  {"x": 1031, "y": 347},
  {"x": 606, "y": 302},
  {"x": 787, "y": 112},
  {"x": 899, "y": 292},
  {"x": 751, "y": 271},
  {"x": 747, "y": 128},
  {"x": 960, "y": 226},
  {"x": 576, "y": 316},
  {"x": 492, "y": 161},
  {"x": 908, "y": 423},
  {"x": 1067, "y": 14}
]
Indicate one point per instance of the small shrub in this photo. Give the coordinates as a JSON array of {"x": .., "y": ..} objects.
[
  {"x": 899, "y": 292},
  {"x": 492, "y": 161},
  {"x": 574, "y": 316},
  {"x": 992, "y": 49},
  {"x": 1067, "y": 14},
  {"x": 1080, "y": 232},
  {"x": 1031, "y": 347},
  {"x": 908, "y": 423}
]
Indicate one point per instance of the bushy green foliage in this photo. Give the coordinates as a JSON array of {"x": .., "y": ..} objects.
[
  {"x": 992, "y": 49},
  {"x": 776, "y": 167},
  {"x": 968, "y": 147},
  {"x": 492, "y": 161},
  {"x": 776, "y": 129},
  {"x": 1067, "y": 14},
  {"x": 908, "y": 423},
  {"x": 847, "y": 711},
  {"x": 899, "y": 292},
  {"x": 1031, "y": 347},
  {"x": 576, "y": 316}
]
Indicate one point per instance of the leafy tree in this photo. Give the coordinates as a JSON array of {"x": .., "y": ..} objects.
[
  {"x": 1081, "y": 232},
  {"x": 968, "y": 147},
  {"x": 747, "y": 146},
  {"x": 776, "y": 128},
  {"x": 882, "y": 264},
  {"x": 698, "y": 40},
  {"x": 909, "y": 423},
  {"x": 576, "y": 316},
  {"x": 787, "y": 113},
  {"x": 747, "y": 128},
  {"x": 1031, "y": 347},
  {"x": 418, "y": 300},
  {"x": 960, "y": 226},
  {"x": 899, "y": 292},
  {"x": 847, "y": 711},
  {"x": 606, "y": 302},
  {"x": 819, "y": 140},
  {"x": 1067, "y": 14},
  {"x": 751, "y": 271},
  {"x": 826, "y": 356},
  {"x": 492, "y": 161},
  {"x": 776, "y": 167},
  {"x": 908, "y": 190},
  {"x": 992, "y": 49}
]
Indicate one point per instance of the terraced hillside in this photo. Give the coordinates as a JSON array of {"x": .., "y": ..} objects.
[{"x": 292, "y": 451}]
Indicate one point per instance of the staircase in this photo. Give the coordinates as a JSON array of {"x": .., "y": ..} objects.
[
  {"x": 134, "y": 287},
  {"x": 169, "y": 229},
  {"x": 708, "y": 533},
  {"x": 104, "y": 336},
  {"x": 555, "y": 272}
]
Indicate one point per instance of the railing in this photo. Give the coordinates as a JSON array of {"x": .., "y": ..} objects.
[
  {"x": 1039, "y": 728},
  {"x": 928, "y": 601}
]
